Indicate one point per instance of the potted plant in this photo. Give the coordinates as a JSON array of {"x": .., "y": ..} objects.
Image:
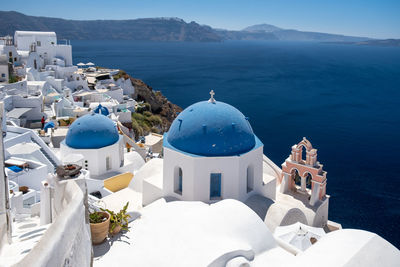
[
  {"x": 118, "y": 221},
  {"x": 99, "y": 225}
]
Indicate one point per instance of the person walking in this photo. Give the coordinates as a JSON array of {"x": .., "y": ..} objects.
[{"x": 42, "y": 121}]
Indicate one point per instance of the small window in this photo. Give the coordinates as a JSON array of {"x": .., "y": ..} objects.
[
  {"x": 250, "y": 179},
  {"x": 215, "y": 186},
  {"x": 38, "y": 43},
  {"x": 108, "y": 163},
  {"x": 178, "y": 181},
  {"x": 3, "y": 75}
]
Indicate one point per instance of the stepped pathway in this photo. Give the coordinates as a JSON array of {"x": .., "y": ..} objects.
[{"x": 49, "y": 158}]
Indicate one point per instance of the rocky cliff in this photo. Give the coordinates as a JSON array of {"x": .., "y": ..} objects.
[{"x": 160, "y": 105}]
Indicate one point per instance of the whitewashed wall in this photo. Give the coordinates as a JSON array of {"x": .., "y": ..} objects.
[
  {"x": 116, "y": 94},
  {"x": 197, "y": 170},
  {"x": 97, "y": 157},
  {"x": 127, "y": 86},
  {"x": 67, "y": 241}
]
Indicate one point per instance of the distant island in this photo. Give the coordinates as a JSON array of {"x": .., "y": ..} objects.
[
  {"x": 163, "y": 29},
  {"x": 385, "y": 42}
]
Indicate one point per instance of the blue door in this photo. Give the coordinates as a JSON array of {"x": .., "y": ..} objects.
[{"x": 215, "y": 185}]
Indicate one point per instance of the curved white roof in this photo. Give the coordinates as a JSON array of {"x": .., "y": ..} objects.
[
  {"x": 30, "y": 33},
  {"x": 228, "y": 233},
  {"x": 350, "y": 247},
  {"x": 184, "y": 233}
]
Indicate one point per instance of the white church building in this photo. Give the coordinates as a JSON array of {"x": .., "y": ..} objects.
[
  {"x": 96, "y": 138},
  {"x": 211, "y": 153}
]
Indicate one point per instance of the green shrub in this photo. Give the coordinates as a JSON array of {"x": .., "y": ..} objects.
[
  {"x": 137, "y": 116},
  {"x": 146, "y": 122},
  {"x": 12, "y": 79},
  {"x": 137, "y": 130},
  {"x": 147, "y": 113},
  {"x": 155, "y": 130},
  {"x": 120, "y": 74},
  {"x": 154, "y": 120}
]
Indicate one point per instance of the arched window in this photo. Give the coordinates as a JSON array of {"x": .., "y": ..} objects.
[
  {"x": 296, "y": 177},
  {"x": 250, "y": 179},
  {"x": 178, "y": 181},
  {"x": 308, "y": 180},
  {"x": 303, "y": 154}
]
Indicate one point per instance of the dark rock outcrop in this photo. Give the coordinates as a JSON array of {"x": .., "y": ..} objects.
[{"x": 160, "y": 105}]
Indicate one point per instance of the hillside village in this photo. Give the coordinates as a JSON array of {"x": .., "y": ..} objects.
[{"x": 100, "y": 169}]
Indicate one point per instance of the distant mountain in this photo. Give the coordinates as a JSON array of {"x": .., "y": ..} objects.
[
  {"x": 151, "y": 29},
  {"x": 295, "y": 35},
  {"x": 245, "y": 35},
  {"x": 156, "y": 29},
  {"x": 262, "y": 28}
]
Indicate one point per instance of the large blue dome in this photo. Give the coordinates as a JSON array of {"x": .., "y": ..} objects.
[
  {"x": 92, "y": 131},
  {"x": 211, "y": 128}
]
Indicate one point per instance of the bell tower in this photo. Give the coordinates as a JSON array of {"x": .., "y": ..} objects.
[{"x": 304, "y": 175}]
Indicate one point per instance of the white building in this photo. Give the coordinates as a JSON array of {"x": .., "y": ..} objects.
[
  {"x": 8, "y": 49},
  {"x": 45, "y": 44},
  {"x": 4, "y": 72},
  {"x": 211, "y": 153},
  {"x": 95, "y": 137}
]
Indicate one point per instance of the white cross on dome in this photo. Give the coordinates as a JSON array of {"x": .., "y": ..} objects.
[{"x": 212, "y": 100}]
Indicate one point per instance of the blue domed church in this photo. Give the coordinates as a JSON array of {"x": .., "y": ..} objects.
[
  {"x": 211, "y": 153},
  {"x": 95, "y": 136}
]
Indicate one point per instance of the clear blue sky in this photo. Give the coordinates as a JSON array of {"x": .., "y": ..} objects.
[{"x": 372, "y": 18}]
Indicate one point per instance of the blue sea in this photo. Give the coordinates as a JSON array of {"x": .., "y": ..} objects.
[{"x": 344, "y": 98}]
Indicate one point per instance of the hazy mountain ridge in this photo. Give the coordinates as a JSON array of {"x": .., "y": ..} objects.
[
  {"x": 156, "y": 29},
  {"x": 262, "y": 28},
  {"x": 296, "y": 35},
  {"x": 148, "y": 29}
]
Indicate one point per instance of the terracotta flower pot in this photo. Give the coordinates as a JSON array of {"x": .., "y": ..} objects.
[
  {"x": 99, "y": 231},
  {"x": 116, "y": 230}
]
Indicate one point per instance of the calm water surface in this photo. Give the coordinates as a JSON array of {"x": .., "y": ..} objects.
[{"x": 345, "y": 99}]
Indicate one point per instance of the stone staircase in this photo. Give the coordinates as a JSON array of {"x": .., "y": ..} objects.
[{"x": 49, "y": 158}]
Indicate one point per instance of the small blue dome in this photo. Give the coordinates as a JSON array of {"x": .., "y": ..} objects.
[
  {"x": 101, "y": 110},
  {"x": 92, "y": 131},
  {"x": 211, "y": 129}
]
